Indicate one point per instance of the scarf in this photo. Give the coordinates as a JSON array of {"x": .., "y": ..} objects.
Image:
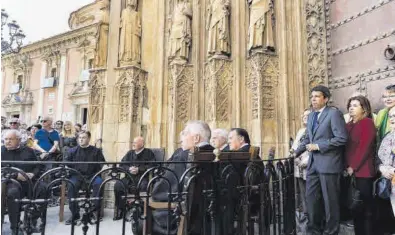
[{"x": 382, "y": 123}]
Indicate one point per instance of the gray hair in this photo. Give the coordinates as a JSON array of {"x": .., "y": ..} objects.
[
  {"x": 200, "y": 128},
  {"x": 14, "y": 132},
  {"x": 221, "y": 133}
]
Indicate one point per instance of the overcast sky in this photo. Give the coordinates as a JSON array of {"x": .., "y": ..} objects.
[{"x": 41, "y": 19}]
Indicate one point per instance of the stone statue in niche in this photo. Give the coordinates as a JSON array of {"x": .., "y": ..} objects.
[
  {"x": 180, "y": 39},
  {"x": 130, "y": 41},
  {"x": 102, "y": 37},
  {"x": 260, "y": 31},
  {"x": 218, "y": 28}
]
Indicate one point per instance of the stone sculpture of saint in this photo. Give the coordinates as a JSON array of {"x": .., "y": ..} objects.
[
  {"x": 218, "y": 28},
  {"x": 260, "y": 31},
  {"x": 180, "y": 39},
  {"x": 102, "y": 38},
  {"x": 130, "y": 40}
]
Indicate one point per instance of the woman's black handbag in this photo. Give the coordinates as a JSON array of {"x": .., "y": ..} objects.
[
  {"x": 354, "y": 196},
  {"x": 382, "y": 188}
]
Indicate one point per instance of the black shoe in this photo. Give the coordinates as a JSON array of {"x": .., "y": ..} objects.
[
  {"x": 118, "y": 216},
  {"x": 68, "y": 222}
]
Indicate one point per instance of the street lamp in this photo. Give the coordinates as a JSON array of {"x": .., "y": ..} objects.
[{"x": 16, "y": 36}]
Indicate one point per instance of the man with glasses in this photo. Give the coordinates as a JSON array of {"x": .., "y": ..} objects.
[
  {"x": 47, "y": 141},
  {"x": 59, "y": 126},
  {"x": 15, "y": 125},
  {"x": 382, "y": 121},
  {"x": 14, "y": 151}
]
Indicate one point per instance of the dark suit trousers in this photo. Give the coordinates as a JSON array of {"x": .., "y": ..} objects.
[
  {"x": 15, "y": 193},
  {"x": 322, "y": 196}
]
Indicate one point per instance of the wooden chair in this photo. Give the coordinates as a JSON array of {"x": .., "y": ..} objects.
[{"x": 62, "y": 201}]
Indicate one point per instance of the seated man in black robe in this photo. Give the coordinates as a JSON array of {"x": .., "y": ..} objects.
[
  {"x": 83, "y": 153},
  {"x": 13, "y": 151},
  {"x": 195, "y": 134},
  {"x": 138, "y": 153}
]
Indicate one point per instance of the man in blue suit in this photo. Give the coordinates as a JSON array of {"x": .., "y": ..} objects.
[{"x": 326, "y": 136}]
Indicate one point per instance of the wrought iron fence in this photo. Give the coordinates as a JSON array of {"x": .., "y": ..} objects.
[{"x": 214, "y": 198}]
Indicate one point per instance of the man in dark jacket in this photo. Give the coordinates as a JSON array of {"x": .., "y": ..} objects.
[
  {"x": 13, "y": 151},
  {"x": 83, "y": 153},
  {"x": 131, "y": 163},
  {"x": 195, "y": 134}
]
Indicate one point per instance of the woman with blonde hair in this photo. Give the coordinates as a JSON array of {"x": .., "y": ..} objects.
[{"x": 68, "y": 138}]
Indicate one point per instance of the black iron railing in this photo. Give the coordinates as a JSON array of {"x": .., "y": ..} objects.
[{"x": 213, "y": 198}]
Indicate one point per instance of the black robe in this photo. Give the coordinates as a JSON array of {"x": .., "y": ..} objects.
[
  {"x": 88, "y": 154},
  {"x": 131, "y": 158},
  {"x": 22, "y": 153},
  {"x": 161, "y": 190}
]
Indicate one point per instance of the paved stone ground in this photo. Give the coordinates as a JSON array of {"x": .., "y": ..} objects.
[
  {"x": 54, "y": 227},
  {"x": 108, "y": 226}
]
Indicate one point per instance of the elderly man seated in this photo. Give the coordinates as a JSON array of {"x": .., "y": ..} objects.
[
  {"x": 130, "y": 163},
  {"x": 84, "y": 153},
  {"x": 13, "y": 151},
  {"x": 195, "y": 134},
  {"x": 219, "y": 139}
]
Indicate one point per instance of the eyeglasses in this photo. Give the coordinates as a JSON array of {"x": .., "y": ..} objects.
[
  {"x": 42, "y": 121},
  {"x": 13, "y": 123},
  {"x": 388, "y": 96}
]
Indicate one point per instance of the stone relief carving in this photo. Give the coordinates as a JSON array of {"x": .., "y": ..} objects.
[
  {"x": 22, "y": 65},
  {"x": 316, "y": 42},
  {"x": 25, "y": 97},
  {"x": 180, "y": 91},
  {"x": 180, "y": 38},
  {"x": 262, "y": 80},
  {"x": 218, "y": 85},
  {"x": 130, "y": 39},
  {"x": 260, "y": 30},
  {"x": 131, "y": 83},
  {"x": 218, "y": 28},
  {"x": 97, "y": 95},
  {"x": 102, "y": 37}
]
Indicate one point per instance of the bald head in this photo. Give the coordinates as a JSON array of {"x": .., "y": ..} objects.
[{"x": 138, "y": 143}]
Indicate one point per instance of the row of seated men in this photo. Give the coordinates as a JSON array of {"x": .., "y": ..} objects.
[{"x": 195, "y": 134}]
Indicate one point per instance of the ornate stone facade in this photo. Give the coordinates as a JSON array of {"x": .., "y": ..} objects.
[
  {"x": 218, "y": 85},
  {"x": 316, "y": 42},
  {"x": 97, "y": 90},
  {"x": 240, "y": 63},
  {"x": 263, "y": 74}
]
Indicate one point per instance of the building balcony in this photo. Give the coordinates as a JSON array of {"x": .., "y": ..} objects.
[
  {"x": 15, "y": 88},
  {"x": 48, "y": 82},
  {"x": 84, "y": 76}
]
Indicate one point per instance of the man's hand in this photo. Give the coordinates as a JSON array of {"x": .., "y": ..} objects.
[
  {"x": 350, "y": 171},
  {"x": 312, "y": 147},
  {"x": 22, "y": 178},
  {"x": 43, "y": 155},
  {"x": 134, "y": 170}
]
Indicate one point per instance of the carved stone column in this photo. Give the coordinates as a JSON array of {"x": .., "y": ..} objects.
[
  {"x": 218, "y": 83},
  {"x": 262, "y": 81},
  {"x": 97, "y": 94},
  {"x": 316, "y": 43},
  {"x": 180, "y": 100},
  {"x": 130, "y": 86}
]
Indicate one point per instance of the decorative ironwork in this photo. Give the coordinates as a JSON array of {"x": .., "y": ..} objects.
[{"x": 243, "y": 194}]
